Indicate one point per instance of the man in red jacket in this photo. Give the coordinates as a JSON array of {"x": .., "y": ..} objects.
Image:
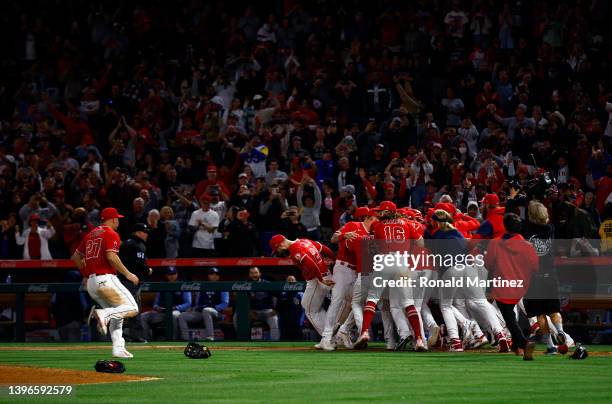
[
  {"x": 511, "y": 261},
  {"x": 493, "y": 226}
]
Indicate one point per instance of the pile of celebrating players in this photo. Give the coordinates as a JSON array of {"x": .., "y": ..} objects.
[{"x": 471, "y": 319}]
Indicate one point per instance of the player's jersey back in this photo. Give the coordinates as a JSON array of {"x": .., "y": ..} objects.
[
  {"x": 307, "y": 256},
  {"x": 344, "y": 253},
  {"x": 94, "y": 247},
  {"x": 394, "y": 235}
]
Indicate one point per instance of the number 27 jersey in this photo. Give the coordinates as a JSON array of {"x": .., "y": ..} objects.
[{"x": 94, "y": 247}]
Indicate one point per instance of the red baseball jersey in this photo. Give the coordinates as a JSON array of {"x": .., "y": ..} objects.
[
  {"x": 395, "y": 234},
  {"x": 356, "y": 246},
  {"x": 307, "y": 256},
  {"x": 94, "y": 247},
  {"x": 344, "y": 253}
]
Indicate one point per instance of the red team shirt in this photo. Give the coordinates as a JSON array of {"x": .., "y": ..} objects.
[
  {"x": 94, "y": 247},
  {"x": 356, "y": 246},
  {"x": 396, "y": 234},
  {"x": 307, "y": 256},
  {"x": 344, "y": 253}
]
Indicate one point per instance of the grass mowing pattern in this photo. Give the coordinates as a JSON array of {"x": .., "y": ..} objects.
[{"x": 344, "y": 376}]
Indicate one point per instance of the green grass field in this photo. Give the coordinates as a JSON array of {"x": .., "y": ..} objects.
[{"x": 286, "y": 375}]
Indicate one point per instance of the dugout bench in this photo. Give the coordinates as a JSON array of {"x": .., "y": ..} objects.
[{"x": 241, "y": 289}]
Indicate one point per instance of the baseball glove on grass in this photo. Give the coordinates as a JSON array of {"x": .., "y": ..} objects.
[
  {"x": 194, "y": 350},
  {"x": 109, "y": 366}
]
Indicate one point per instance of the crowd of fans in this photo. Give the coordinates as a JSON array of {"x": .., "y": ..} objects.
[{"x": 218, "y": 123}]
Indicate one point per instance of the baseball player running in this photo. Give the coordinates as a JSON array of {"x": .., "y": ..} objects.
[
  {"x": 98, "y": 260},
  {"x": 306, "y": 254}
]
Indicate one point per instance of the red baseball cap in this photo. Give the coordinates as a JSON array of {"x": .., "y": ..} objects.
[
  {"x": 405, "y": 211},
  {"x": 362, "y": 211},
  {"x": 447, "y": 207},
  {"x": 386, "y": 205},
  {"x": 276, "y": 241},
  {"x": 395, "y": 155},
  {"x": 212, "y": 168},
  {"x": 490, "y": 199},
  {"x": 109, "y": 213}
]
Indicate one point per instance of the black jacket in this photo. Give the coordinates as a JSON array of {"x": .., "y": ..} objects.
[{"x": 133, "y": 254}]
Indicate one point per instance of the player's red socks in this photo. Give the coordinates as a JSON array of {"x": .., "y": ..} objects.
[
  {"x": 368, "y": 314},
  {"x": 414, "y": 320}
]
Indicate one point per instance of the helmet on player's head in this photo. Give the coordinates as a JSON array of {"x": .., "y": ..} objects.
[{"x": 276, "y": 241}]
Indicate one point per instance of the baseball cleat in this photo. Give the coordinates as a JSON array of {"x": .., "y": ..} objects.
[
  {"x": 504, "y": 346},
  {"x": 99, "y": 315},
  {"x": 569, "y": 341},
  {"x": 317, "y": 346},
  {"x": 551, "y": 351},
  {"x": 344, "y": 339},
  {"x": 327, "y": 345},
  {"x": 362, "y": 341},
  {"x": 419, "y": 346},
  {"x": 401, "y": 345},
  {"x": 467, "y": 332},
  {"x": 122, "y": 353},
  {"x": 529, "y": 348},
  {"x": 535, "y": 327},
  {"x": 479, "y": 341},
  {"x": 434, "y": 336},
  {"x": 455, "y": 345},
  {"x": 561, "y": 338}
]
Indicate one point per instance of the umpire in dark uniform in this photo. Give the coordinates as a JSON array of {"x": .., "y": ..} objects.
[{"x": 133, "y": 254}]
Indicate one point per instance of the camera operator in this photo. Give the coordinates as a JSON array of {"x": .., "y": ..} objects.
[{"x": 133, "y": 254}]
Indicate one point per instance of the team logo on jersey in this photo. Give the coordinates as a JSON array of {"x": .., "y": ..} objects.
[{"x": 542, "y": 246}]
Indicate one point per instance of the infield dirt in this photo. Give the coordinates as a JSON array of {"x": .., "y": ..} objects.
[{"x": 30, "y": 375}]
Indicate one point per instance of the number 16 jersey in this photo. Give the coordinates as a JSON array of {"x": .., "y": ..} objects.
[{"x": 394, "y": 235}]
